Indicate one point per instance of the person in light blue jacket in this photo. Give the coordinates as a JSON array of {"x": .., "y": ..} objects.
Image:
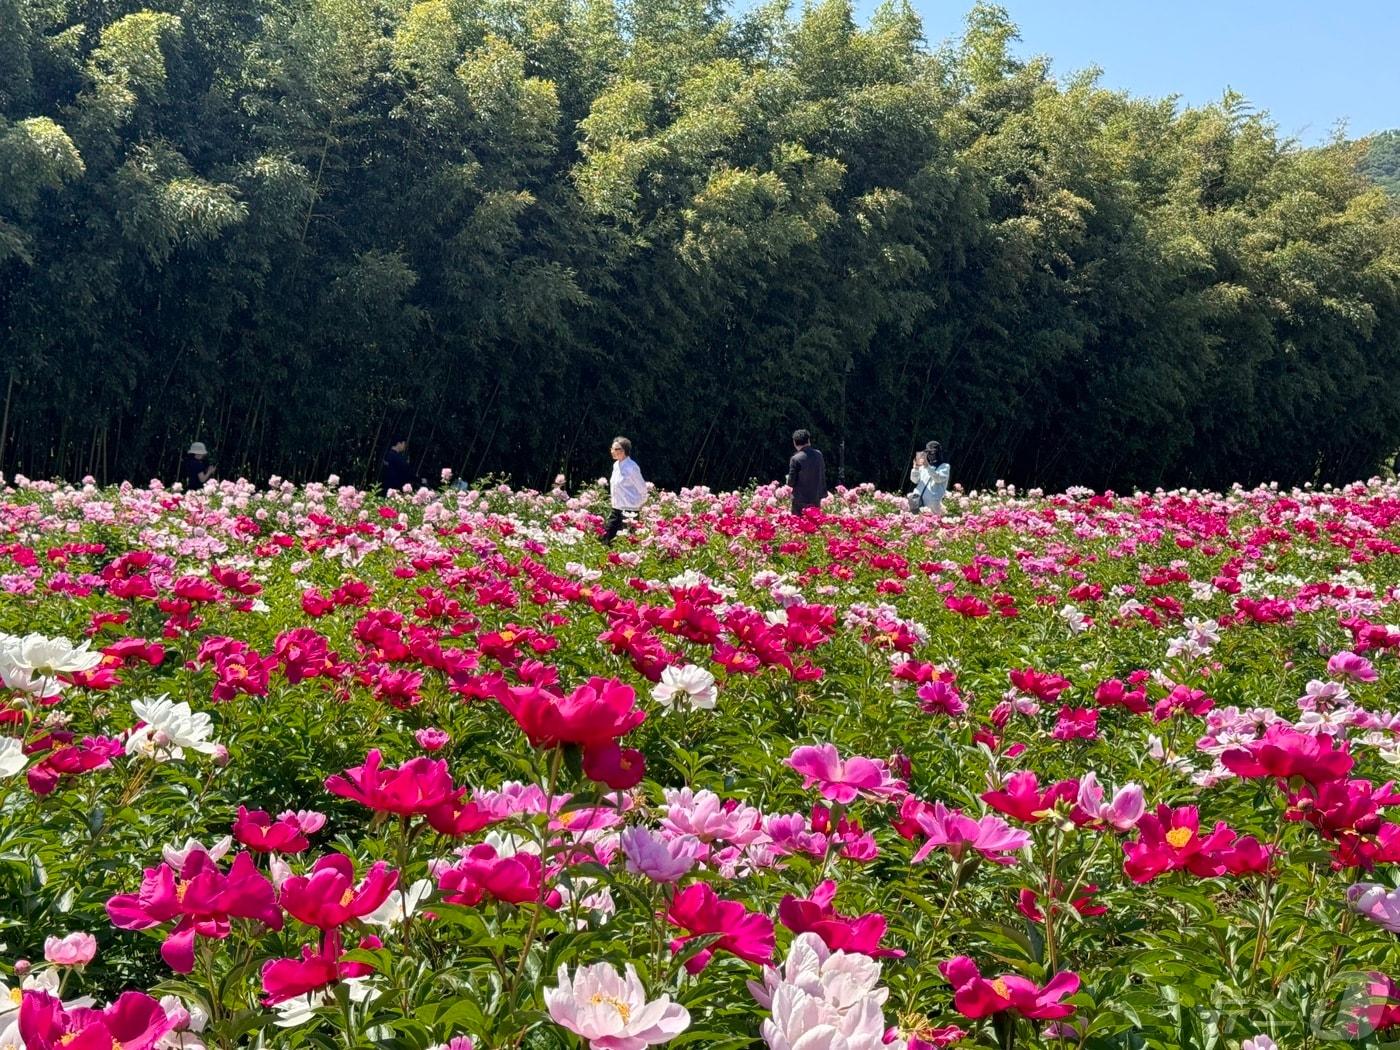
[{"x": 930, "y": 477}]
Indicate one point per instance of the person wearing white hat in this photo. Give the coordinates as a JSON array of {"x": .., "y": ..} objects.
[{"x": 196, "y": 469}]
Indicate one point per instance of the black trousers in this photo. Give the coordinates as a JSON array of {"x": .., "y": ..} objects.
[{"x": 616, "y": 521}]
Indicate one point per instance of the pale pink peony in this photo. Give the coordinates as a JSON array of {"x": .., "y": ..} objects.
[
  {"x": 822, "y": 998},
  {"x": 659, "y": 859},
  {"x": 1380, "y": 904},
  {"x": 611, "y": 1011},
  {"x": 77, "y": 949},
  {"x": 1122, "y": 814}
]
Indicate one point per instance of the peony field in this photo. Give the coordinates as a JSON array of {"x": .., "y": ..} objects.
[{"x": 298, "y": 766}]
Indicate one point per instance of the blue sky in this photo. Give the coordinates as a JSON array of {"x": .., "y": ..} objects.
[{"x": 1308, "y": 63}]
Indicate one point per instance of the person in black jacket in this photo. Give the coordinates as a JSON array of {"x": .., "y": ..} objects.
[
  {"x": 196, "y": 469},
  {"x": 394, "y": 471},
  {"x": 806, "y": 473}
]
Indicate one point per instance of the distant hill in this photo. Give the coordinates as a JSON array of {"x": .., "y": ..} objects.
[{"x": 1382, "y": 163}]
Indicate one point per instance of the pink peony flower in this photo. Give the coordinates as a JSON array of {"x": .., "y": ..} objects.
[
  {"x": 1285, "y": 753},
  {"x": 659, "y": 859},
  {"x": 1076, "y": 723},
  {"x": 843, "y": 781},
  {"x": 942, "y": 828},
  {"x": 431, "y": 739},
  {"x": 329, "y": 896},
  {"x": 413, "y": 788},
  {"x": 610, "y": 1011},
  {"x": 1349, "y": 665},
  {"x": 1380, "y": 904},
  {"x": 941, "y": 698},
  {"x": 699, "y": 911},
  {"x": 975, "y": 996},
  {"x": 134, "y": 1021},
  {"x": 844, "y": 933},
  {"x": 703, "y": 815},
  {"x": 1122, "y": 814},
  {"x": 76, "y": 949}
]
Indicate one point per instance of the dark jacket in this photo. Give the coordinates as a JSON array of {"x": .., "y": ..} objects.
[
  {"x": 394, "y": 472},
  {"x": 807, "y": 477},
  {"x": 190, "y": 471}
]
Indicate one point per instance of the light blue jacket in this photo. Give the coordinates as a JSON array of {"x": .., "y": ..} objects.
[{"x": 930, "y": 485}]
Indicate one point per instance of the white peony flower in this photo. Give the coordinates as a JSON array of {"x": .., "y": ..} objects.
[
  {"x": 687, "y": 686},
  {"x": 1074, "y": 619},
  {"x": 176, "y": 856},
  {"x": 298, "y": 1011},
  {"x": 12, "y": 756},
  {"x": 823, "y": 998},
  {"x": 23, "y": 680},
  {"x": 610, "y": 1011},
  {"x": 170, "y": 727},
  {"x": 400, "y": 904},
  {"x": 47, "y": 656}
]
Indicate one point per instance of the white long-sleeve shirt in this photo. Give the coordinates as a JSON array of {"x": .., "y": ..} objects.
[
  {"x": 932, "y": 482},
  {"x": 628, "y": 489}
]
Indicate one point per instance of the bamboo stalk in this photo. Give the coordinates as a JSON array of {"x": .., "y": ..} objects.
[{"x": 5, "y": 420}]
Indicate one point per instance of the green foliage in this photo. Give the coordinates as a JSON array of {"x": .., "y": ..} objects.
[
  {"x": 518, "y": 227},
  {"x": 1382, "y": 161}
]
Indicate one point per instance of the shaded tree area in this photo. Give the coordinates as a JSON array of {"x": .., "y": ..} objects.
[{"x": 514, "y": 228}]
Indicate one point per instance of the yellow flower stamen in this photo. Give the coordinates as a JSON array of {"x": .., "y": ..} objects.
[
  {"x": 624, "y": 1011},
  {"x": 1179, "y": 837}
]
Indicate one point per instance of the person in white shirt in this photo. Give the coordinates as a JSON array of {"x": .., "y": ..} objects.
[
  {"x": 629, "y": 490},
  {"x": 930, "y": 476}
]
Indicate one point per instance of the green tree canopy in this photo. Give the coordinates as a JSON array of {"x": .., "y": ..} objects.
[{"x": 515, "y": 228}]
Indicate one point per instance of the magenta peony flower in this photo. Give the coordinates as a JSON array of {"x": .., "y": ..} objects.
[
  {"x": 413, "y": 788},
  {"x": 843, "y": 781},
  {"x": 201, "y": 899},
  {"x": 329, "y": 896},
  {"x": 134, "y": 1021},
  {"x": 595, "y": 713},
  {"x": 843, "y": 933},
  {"x": 698, "y": 910},
  {"x": 1285, "y": 753},
  {"x": 975, "y": 996},
  {"x": 284, "y": 979},
  {"x": 1022, "y": 798},
  {"x": 1349, "y": 665}
]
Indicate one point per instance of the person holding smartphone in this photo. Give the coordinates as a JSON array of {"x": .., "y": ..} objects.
[{"x": 929, "y": 474}]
